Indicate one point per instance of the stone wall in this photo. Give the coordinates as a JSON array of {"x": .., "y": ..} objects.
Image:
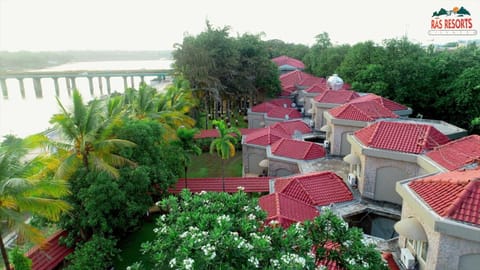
[
  {"x": 255, "y": 119},
  {"x": 251, "y": 156},
  {"x": 278, "y": 168}
]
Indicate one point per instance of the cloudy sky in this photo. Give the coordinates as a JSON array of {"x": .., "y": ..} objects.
[{"x": 158, "y": 24}]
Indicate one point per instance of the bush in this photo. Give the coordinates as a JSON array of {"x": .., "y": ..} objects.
[
  {"x": 95, "y": 254},
  {"x": 19, "y": 261}
]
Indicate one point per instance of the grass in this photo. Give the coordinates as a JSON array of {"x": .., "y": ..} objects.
[
  {"x": 130, "y": 246},
  {"x": 209, "y": 165}
]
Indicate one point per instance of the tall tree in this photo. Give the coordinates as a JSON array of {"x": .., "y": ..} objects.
[
  {"x": 186, "y": 142},
  {"x": 224, "y": 145},
  {"x": 86, "y": 140},
  {"x": 24, "y": 189}
]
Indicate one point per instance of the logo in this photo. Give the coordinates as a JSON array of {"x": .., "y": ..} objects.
[{"x": 454, "y": 22}]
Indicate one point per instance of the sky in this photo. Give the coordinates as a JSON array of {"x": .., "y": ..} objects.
[{"x": 52, "y": 25}]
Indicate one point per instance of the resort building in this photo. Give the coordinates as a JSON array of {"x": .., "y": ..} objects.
[
  {"x": 386, "y": 152},
  {"x": 440, "y": 225},
  {"x": 286, "y": 156},
  {"x": 256, "y": 114},
  {"x": 457, "y": 154},
  {"x": 398, "y": 109},
  {"x": 326, "y": 101},
  {"x": 280, "y": 114},
  {"x": 348, "y": 118},
  {"x": 295, "y": 80},
  {"x": 254, "y": 145}
]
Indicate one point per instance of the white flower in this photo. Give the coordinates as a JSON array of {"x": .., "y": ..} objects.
[
  {"x": 252, "y": 217},
  {"x": 172, "y": 262},
  {"x": 253, "y": 261},
  {"x": 184, "y": 234},
  {"x": 202, "y": 192},
  {"x": 162, "y": 218},
  {"x": 188, "y": 263},
  {"x": 155, "y": 230},
  {"x": 241, "y": 188},
  {"x": 222, "y": 218},
  {"x": 275, "y": 263},
  {"x": 246, "y": 208},
  {"x": 291, "y": 258},
  {"x": 158, "y": 203},
  {"x": 273, "y": 222},
  {"x": 258, "y": 208},
  {"x": 321, "y": 267}
]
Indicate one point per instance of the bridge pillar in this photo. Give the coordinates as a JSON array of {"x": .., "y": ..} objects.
[
  {"x": 57, "y": 87},
  {"x": 37, "y": 86},
  {"x": 109, "y": 89},
  {"x": 22, "y": 87},
  {"x": 69, "y": 87},
  {"x": 100, "y": 85},
  {"x": 90, "y": 85},
  {"x": 74, "y": 83},
  {"x": 125, "y": 83},
  {"x": 3, "y": 83},
  {"x": 142, "y": 79},
  {"x": 132, "y": 82}
]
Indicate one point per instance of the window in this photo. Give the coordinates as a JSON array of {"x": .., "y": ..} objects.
[{"x": 419, "y": 248}]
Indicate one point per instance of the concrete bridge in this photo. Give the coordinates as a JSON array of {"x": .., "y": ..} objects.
[{"x": 71, "y": 76}]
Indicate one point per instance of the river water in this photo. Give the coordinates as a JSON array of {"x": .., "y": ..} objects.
[{"x": 25, "y": 116}]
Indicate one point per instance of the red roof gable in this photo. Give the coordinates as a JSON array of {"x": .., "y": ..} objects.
[
  {"x": 366, "y": 111},
  {"x": 311, "y": 80},
  {"x": 53, "y": 254},
  {"x": 298, "y": 77},
  {"x": 454, "y": 195},
  {"x": 285, "y": 60},
  {"x": 286, "y": 210},
  {"x": 289, "y": 127},
  {"x": 280, "y": 112},
  {"x": 317, "y": 88},
  {"x": 387, "y": 103},
  {"x": 457, "y": 153},
  {"x": 288, "y": 90},
  {"x": 318, "y": 188},
  {"x": 250, "y": 184},
  {"x": 295, "y": 149},
  {"x": 401, "y": 137},
  {"x": 336, "y": 97},
  {"x": 281, "y": 102},
  {"x": 263, "y": 107},
  {"x": 265, "y": 136}
]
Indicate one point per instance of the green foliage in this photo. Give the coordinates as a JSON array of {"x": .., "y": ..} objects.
[
  {"x": 223, "y": 231},
  {"x": 20, "y": 261},
  {"x": 96, "y": 254}
]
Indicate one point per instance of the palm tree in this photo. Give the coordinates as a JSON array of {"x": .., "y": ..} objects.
[
  {"x": 186, "y": 141},
  {"x": 86, "y": 138},
  {"x": 224, "y": 145},
  {"x": 169, "y": 108},
  {"x": 23, "y": 192}
]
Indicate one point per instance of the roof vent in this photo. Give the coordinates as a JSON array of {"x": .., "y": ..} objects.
[{"x": 334, "y": 82}]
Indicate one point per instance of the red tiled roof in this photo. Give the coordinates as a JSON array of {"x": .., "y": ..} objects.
[
  {"x": 280, "y": 112},
  {"x": 317, "y": 88},
  {"x": 285, "y": 60},
  {"x": 286, "y": 210},
  {"x": 318, "y": 188},
  {"x": 387, "y": 103},
  {"x": 288, "y": 90},
  {"x": 457, "y": 153},
  {"x": 265, "y": 136},
  {"x": 311, "y": 80},
  {"x": 402, "y": 137},
  {"x": 250, "y": 184},
  {"x": 263, "y": 107},
  {"x": 52, "y": 255},
  {"x": 289, "y": 127},
  {"x": 454, "y": 195},
  {"x": 297, "y": 77},
  {"x": 295, "y": 149},
  {"x": 281, "y": 102},
  {"x": 366, "y": 111},
  {"x": 336, "y": 97},
  {"x": 213, "y": 133}
]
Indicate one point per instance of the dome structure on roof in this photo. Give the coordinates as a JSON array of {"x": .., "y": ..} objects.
[{"x": 334, "y": 82}]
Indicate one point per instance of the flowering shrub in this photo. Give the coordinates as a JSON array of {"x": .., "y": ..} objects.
[{"x": 223, "y": 231}]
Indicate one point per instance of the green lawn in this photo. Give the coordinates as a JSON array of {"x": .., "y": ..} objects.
[
  {"x": 130, "y": 246},
  {"x": 210, "y": 165}
]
